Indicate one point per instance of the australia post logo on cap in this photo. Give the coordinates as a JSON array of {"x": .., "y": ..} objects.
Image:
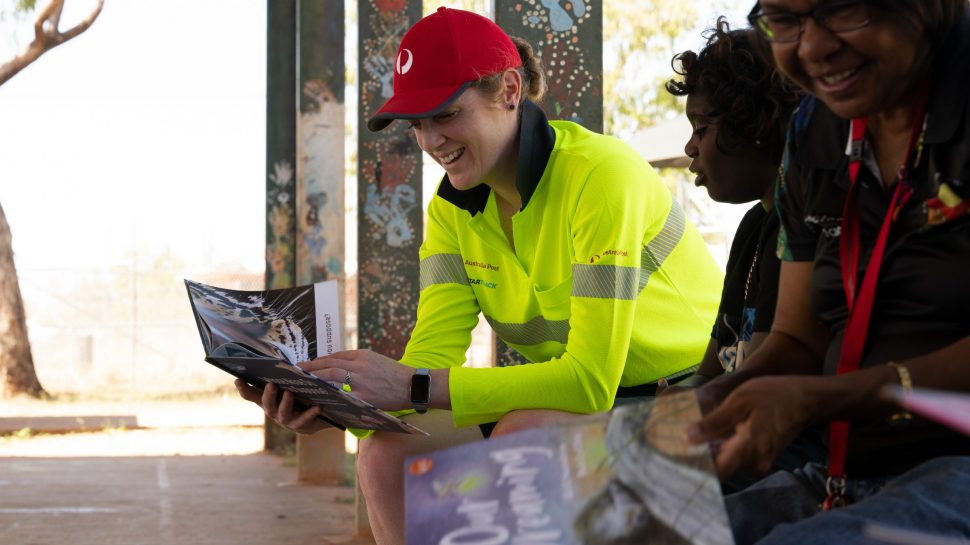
[{"x": 404, "y": 61}]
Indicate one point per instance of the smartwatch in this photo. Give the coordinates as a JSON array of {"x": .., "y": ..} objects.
[{"x": 421, "y": 390}]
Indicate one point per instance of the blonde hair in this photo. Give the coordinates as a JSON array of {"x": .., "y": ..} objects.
[{"x": 533, "y": 79}]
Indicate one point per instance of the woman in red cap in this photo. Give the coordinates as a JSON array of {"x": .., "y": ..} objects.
[{"x": 566, "y": 240}]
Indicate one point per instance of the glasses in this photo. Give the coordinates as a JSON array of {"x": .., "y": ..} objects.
[{"x": 787, "y": 26}]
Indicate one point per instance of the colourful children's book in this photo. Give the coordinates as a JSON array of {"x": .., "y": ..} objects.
[{"x": 620, "y": 478}]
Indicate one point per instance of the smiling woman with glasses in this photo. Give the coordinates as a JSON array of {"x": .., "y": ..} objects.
[
  {"x": 874, "y": 202},
  {"x": 785, "y": 26}
]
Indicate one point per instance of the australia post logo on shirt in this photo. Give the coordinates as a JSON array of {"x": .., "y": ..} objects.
[{"x": 481, "y": 265}]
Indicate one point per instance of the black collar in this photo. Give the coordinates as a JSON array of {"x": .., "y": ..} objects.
[{"x": 536, "y": 140}]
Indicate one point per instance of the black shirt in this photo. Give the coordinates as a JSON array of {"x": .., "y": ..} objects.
[
  {"x": 923, "y": 289},
  {"x": 750, "y": 286}
]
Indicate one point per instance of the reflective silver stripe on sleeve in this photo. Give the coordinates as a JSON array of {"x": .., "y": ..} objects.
[
  {"x": 536, "y": 331},
  {"x": 625, "y": 283},
  {"x": 657, "y": 250},
  {"x": 443, "y": 269},
  {"x": 605, "y": 281}
]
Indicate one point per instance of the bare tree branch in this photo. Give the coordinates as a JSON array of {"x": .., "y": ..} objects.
[
  {"x": 54, "y": 20},
  {"x": 46, "y": 37}
]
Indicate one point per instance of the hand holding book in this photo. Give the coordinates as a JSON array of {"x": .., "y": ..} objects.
[
  {"x": 377, "y": 379},
  {"x": 281, "y": 407},
  {"x": 260, "y": 336}
]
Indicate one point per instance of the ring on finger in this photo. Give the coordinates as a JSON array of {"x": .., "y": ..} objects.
[{"x": 348, "y": 378}]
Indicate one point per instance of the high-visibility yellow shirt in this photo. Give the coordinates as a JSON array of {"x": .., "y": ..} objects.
[{"x": 607, "y": 285}]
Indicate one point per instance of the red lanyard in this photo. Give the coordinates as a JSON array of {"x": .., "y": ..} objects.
[{"x": 860, "y": 304}]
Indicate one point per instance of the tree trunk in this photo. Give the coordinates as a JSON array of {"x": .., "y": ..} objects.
[{"x": 17, "y": 374}]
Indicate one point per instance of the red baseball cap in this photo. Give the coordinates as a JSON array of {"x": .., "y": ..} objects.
[{"x": 440, "y": 56}]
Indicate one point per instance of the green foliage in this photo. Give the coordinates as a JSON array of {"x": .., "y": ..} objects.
[
  {"x": 640, "y": 37},
  {"x": 15, "y": 10},
  {"x": 24, "y": 433},
  {"x": 641, "y": 46}
]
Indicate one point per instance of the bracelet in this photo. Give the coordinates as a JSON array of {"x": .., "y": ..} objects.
[{"x": 906, "y": 383}]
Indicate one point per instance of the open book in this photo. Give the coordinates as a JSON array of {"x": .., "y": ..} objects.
[
  {"x": 260, "y": 336},
  {"x": 624, "y": 477}
]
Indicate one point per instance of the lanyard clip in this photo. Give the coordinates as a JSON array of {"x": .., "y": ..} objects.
[
  {"x": 835, "y": 494},
  {"x": 855, "y": 151}
]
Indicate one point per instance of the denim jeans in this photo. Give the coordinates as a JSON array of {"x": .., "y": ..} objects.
[{"x": 782, "y": 509}]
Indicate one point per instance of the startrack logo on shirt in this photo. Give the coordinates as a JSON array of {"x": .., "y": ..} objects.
[{"x": 482, "y": 283}]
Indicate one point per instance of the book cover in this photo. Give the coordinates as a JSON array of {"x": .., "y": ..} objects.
[
  {"x": 260, "y": 336},
  {"x": 620, "y": 478},
  {"x": 949, "y": 408}
]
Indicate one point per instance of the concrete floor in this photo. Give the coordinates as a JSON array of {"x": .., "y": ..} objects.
[
  {"x": 191, "y": 500},
  {"x": 157, "y": 473}
]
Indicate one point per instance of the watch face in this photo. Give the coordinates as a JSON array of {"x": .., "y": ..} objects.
[{"x": 420, "y": 388}]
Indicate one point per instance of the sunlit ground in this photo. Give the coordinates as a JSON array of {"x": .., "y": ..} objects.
[{"x": 181, "y": 424}]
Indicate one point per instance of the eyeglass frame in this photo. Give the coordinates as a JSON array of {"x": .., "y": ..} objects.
[{"x": 756, "y": 14}]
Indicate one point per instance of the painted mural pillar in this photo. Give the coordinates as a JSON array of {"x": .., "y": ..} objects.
[
  {"x": 305, "y": 179},
  {"x": 568, "y": 37},
  {"x": 390, "y": 223},
  {"x": 281, "y": 73},
  {"x": 319, "y": 206},
  {"x": 390, "y": 218}
]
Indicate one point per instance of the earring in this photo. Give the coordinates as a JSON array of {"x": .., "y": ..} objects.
[{"x": 511, "y": 107}]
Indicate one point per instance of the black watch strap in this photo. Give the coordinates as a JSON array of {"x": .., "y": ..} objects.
[{"x": 421, "y": 390}]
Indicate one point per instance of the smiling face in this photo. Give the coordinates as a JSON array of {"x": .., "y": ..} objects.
[
  {"x": 745, "y": 175},
  {"x": 473, "y": 139},
  {"x": 855, "y": 73}
]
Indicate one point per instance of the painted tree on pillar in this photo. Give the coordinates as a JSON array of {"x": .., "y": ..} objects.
[
  {"x": 568, "y": 37},
  {"x": 389, "y": 188}
]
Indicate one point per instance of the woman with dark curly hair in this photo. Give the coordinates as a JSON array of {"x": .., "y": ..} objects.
[{"x": 738, "y": 107}]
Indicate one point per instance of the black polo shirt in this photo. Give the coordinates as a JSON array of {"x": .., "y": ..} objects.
[
  {"x": 750, "y": 285},
  {"x": 923, "y": 291}
]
